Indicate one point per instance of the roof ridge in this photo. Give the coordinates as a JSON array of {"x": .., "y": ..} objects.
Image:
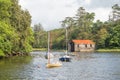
[{"x": 83, "y": 41}]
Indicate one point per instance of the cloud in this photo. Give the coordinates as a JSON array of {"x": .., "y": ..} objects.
[
  {"x": 101, "y": 13},
  {"x": 101, "y": 3},
  {"x": 50, "y": 12},
  {"x": 87, "y": 1}
]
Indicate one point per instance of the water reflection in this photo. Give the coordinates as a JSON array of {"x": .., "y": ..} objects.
[{"x": 84, "y": 66}]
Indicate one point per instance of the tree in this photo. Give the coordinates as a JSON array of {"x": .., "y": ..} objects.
[
  {"x": 40, "y": 36},
  {"x": 38, "y": 27},
  {"x": 115, "y": 37},
  {"x": 84, "y": 21},
  {"x": 101, "y": 37},
  {"x": 21, "y": 21},
  {"x": 115, "y": 15},
  {"x": 7, "y": 33},
  {"x": 96, "y": 26},
  {"x": 16, "y": 33},
  {"x": 7, "y": 38},
  {"x": 4, "y": 10},
  {"x": 114, "y": 22}
]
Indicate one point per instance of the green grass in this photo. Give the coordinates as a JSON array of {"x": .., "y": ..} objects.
[
  {"x": 39, "y": 49},
  {"x": 98, "y": 50},
  {"x": 45, "y": 49},
  {"x": 108, "y": 50}
]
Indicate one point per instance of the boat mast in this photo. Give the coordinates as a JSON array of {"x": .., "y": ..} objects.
[
  {"x": 48, "y": 48},
  {"x": 66, "y": 41}
]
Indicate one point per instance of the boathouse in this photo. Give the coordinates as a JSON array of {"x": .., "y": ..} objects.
[{"x": 81, "y": 46}]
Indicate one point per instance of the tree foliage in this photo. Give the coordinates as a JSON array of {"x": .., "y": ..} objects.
[
  {"x": 115, "y": 14},
  {"x": 16, "y": 33},
  {"x": 7, "y": 37},
  {"x": 40, "y": 36},
  {"x": 4, "y": 10}
]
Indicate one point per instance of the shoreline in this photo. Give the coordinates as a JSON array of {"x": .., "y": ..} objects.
[
  {"x": 107, "y": 50},
  {"x": 45, "y": 49},
  {"x": 98, "y": 50}
]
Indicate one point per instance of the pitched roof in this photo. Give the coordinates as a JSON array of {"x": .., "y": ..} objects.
[{"x": 83, "y": 41}]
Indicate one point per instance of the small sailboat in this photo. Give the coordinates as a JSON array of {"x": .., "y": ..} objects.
[
  {"x": 50, "y": 54},
  {"x": 65, "y": 58},
  {"x": 49, "y": 63}
]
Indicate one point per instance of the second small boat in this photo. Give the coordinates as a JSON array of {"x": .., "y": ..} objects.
[{"x": 65, "y": 58}]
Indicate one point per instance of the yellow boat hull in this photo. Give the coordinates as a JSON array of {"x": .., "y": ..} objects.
[{"x": 51, "y": 65}]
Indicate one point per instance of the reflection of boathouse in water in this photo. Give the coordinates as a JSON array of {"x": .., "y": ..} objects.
[{"x": 81, "y": 46}]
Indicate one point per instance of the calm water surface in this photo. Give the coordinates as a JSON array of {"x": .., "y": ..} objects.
[{"x": 87, "y": 66}]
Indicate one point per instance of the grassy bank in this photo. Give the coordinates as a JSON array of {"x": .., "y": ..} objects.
[
  {"x": 98, "y": 50},
  {"x": 39, "y": 49},
  {"x": 45, "y": 49},
  {"x": 108, "y": 50}
]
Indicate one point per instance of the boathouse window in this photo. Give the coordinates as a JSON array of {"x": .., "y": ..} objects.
[
  {"x": 78, "y": 45},
  {"x": 90, "y": 45},
  {"x": 86, "y": 45}
]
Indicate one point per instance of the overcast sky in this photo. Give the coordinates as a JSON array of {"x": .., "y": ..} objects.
[{"x": 50, "y": 12}]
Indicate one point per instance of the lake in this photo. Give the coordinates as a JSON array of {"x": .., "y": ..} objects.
[{"x": 84, "y": 66}]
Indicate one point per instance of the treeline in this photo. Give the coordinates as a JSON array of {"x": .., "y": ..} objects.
[
  {"x": 16, "y": 35},
  {"x": 82, "y": 26}
]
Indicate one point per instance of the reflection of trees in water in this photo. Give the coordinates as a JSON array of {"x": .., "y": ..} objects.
[
  {"x": 16, "y": 60},
  {"x": 11, "y": 68}
]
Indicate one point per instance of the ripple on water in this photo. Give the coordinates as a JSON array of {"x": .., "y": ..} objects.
[{"x": 94, "y": 66}]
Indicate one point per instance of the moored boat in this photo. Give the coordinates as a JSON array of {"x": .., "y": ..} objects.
[
  {"x": 49, "y": 63},
  {"x": 66, "y": 58}
]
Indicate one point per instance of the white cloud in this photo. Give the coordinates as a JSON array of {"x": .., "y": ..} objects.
[
  {"x": 101, "y": 13},
  {"x": 87, "y": 1},
  {"x": 50, "y": 12}
]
